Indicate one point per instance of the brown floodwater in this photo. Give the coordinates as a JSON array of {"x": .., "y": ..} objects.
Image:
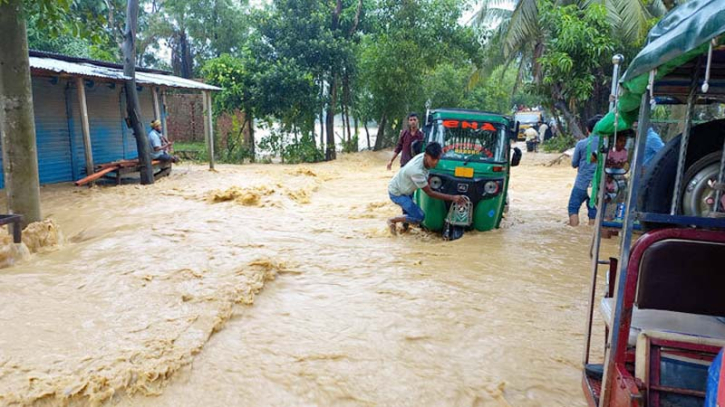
[{"x": 273, "y": 285}]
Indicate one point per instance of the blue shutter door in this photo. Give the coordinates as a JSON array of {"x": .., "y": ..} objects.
[
  {"x": 105, "y": 122},
  {"x": 51, "y": 131},
  {"x": 52, "y": 134}
]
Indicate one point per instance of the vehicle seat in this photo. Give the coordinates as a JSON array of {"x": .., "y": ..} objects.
[
  {"x": 680, "y": 284},
  {"x": 666, "y": 321}
]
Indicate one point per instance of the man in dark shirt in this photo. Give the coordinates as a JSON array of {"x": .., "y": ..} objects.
[{"x": 407, "y": 137}]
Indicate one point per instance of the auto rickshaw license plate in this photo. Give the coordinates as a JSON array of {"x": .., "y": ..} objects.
[{"x": 464, "y": 172}]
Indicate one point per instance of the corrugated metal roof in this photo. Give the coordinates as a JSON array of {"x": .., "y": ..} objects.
[
  {"x": 89, "y": 70},
  {"x": 171, "y": 81},
  {"x": 85, "y": 70}
]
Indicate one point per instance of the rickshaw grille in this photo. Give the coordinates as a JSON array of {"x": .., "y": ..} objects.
[{"x": 460, "y": 215}]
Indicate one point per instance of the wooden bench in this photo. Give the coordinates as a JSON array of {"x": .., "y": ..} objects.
[
  {"x": 16, "y": 229},
  {"x": 116, "y": 171}
]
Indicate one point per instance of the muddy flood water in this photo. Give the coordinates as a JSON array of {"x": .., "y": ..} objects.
[{"x": 275, "y": 285}]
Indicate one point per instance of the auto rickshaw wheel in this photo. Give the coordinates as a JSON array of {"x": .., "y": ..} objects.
[
  {"x": 698, "y": 185},
  {"x": 655, "y": 195}
]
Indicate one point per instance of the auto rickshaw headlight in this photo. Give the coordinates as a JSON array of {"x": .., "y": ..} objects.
[
  {"x": 436, "y": 182},
  {"x": 490, "y": 187}
]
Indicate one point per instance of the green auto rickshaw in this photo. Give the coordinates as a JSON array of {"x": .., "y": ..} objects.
[{"x": 475, "y": 163}]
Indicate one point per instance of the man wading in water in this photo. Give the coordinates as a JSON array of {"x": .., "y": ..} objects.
[
  {"x": 412, "y": 176},
  {"x": 405, "y": 141}
]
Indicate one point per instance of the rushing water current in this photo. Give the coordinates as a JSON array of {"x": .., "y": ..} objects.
[{"x": 275, "y": 285}]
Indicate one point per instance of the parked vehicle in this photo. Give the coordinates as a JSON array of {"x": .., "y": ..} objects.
[
  {"x": 526, "y": 119},
  {"x": 664, "y": 307},
  {"x": 475, "y": 163}
]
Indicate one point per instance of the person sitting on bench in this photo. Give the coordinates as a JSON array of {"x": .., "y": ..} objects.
[{"x": 160, "y": 145}]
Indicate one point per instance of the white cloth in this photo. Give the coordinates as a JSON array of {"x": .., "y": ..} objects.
[{"x": 412, "y": 176}]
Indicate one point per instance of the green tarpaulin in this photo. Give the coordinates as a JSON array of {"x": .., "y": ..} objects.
[{"x": 681, "y": 35}]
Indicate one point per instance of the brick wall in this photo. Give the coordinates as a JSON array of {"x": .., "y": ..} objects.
[
  {"x": 185, "y": 116},
  {"x": 185, "y": 120}
]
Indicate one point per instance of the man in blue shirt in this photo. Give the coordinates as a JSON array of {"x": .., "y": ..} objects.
[
  {"x": 653, "y": 144},
  {"x": 159, "y": 144},
  {"x": 584, "y": 160}
]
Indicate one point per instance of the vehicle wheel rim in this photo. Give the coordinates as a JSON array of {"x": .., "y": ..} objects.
[{"x": 693, "y": 200}]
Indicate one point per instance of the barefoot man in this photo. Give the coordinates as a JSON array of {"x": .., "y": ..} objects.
[{"x": 412, "y": 176}]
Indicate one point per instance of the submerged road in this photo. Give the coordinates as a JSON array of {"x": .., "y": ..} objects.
[{"x": 277, "y": 285}]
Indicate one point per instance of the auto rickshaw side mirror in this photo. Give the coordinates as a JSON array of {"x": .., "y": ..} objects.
[
  {"x": 516, "y": 157},
  {"x": 416, "y": 147}
]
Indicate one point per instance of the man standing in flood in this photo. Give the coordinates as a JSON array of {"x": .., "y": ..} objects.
[
  {"x": 584, "y": 160},
  {"x": 411, "y": 177},
  {"x": 405, "y": 141}
]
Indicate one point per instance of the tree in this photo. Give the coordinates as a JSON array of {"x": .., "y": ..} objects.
[
  {"x": 132, "y": 104},
  {"x": 17, "y": 125},
  {"x": 196, "y": 31},
  {"x": 513, "y": 31},
  {"x": 70, "y": 34},
  {"x": 405, "y": 43}
]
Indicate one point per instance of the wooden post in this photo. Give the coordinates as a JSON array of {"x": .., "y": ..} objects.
[
  {"x": 85, "y": 125},
  {"x": 157, "y": 109},
  {"x": 204, "y": 121},
  {"x": 208, "y": 127},
  {"x": 163, "y": 114}
]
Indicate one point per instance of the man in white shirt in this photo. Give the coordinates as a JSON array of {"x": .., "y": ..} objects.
[
  {"x": 413, "y": 176},
  {"x": 532, "y": 139},
  {"x": 543, "y": 127}
]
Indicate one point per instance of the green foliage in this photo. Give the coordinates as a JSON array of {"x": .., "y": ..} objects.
[
  {"x": 237, "y": 150},
  {"x": 578, "y": 43},
  {"x": 351, "y": 146},
  {"x": 302, "y": 150},
  {"x": 494, "y": 94},
  {"x": 236, "y": 80},
  {"x": 72, "y": 27},
  {"x": 412, "y": 52},
  {"x": 195, "y": 30},
  {"x": 560, "y": 143}
]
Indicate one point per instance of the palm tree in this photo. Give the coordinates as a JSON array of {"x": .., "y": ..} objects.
[{"x": 510, "y": 31}]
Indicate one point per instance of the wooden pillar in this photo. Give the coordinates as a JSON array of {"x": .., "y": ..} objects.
[
  {"x": 157, "y": 109},
  {"x": 163, "y": 114},
  {"x": 208, "y": 127},
  {"x": 85, "y": 125}
]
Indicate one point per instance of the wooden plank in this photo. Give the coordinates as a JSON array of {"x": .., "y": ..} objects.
[
  {"x": 95, "y": 176},
  {"x": 85, "y": 125}
]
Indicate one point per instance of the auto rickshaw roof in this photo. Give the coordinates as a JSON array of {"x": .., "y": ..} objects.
[
  {"x": 469, "y": 114},
  {"x": 677, "y": 49}
]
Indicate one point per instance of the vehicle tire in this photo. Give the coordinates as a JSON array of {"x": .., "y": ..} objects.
[
  {"x": 696, "y": 179},
  {"x": 658, "y": 182}
]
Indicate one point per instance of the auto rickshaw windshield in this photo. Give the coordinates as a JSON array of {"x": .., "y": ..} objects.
[
  {"x": 528, "y": 118},
  {"x": 470, "y": 140}
]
